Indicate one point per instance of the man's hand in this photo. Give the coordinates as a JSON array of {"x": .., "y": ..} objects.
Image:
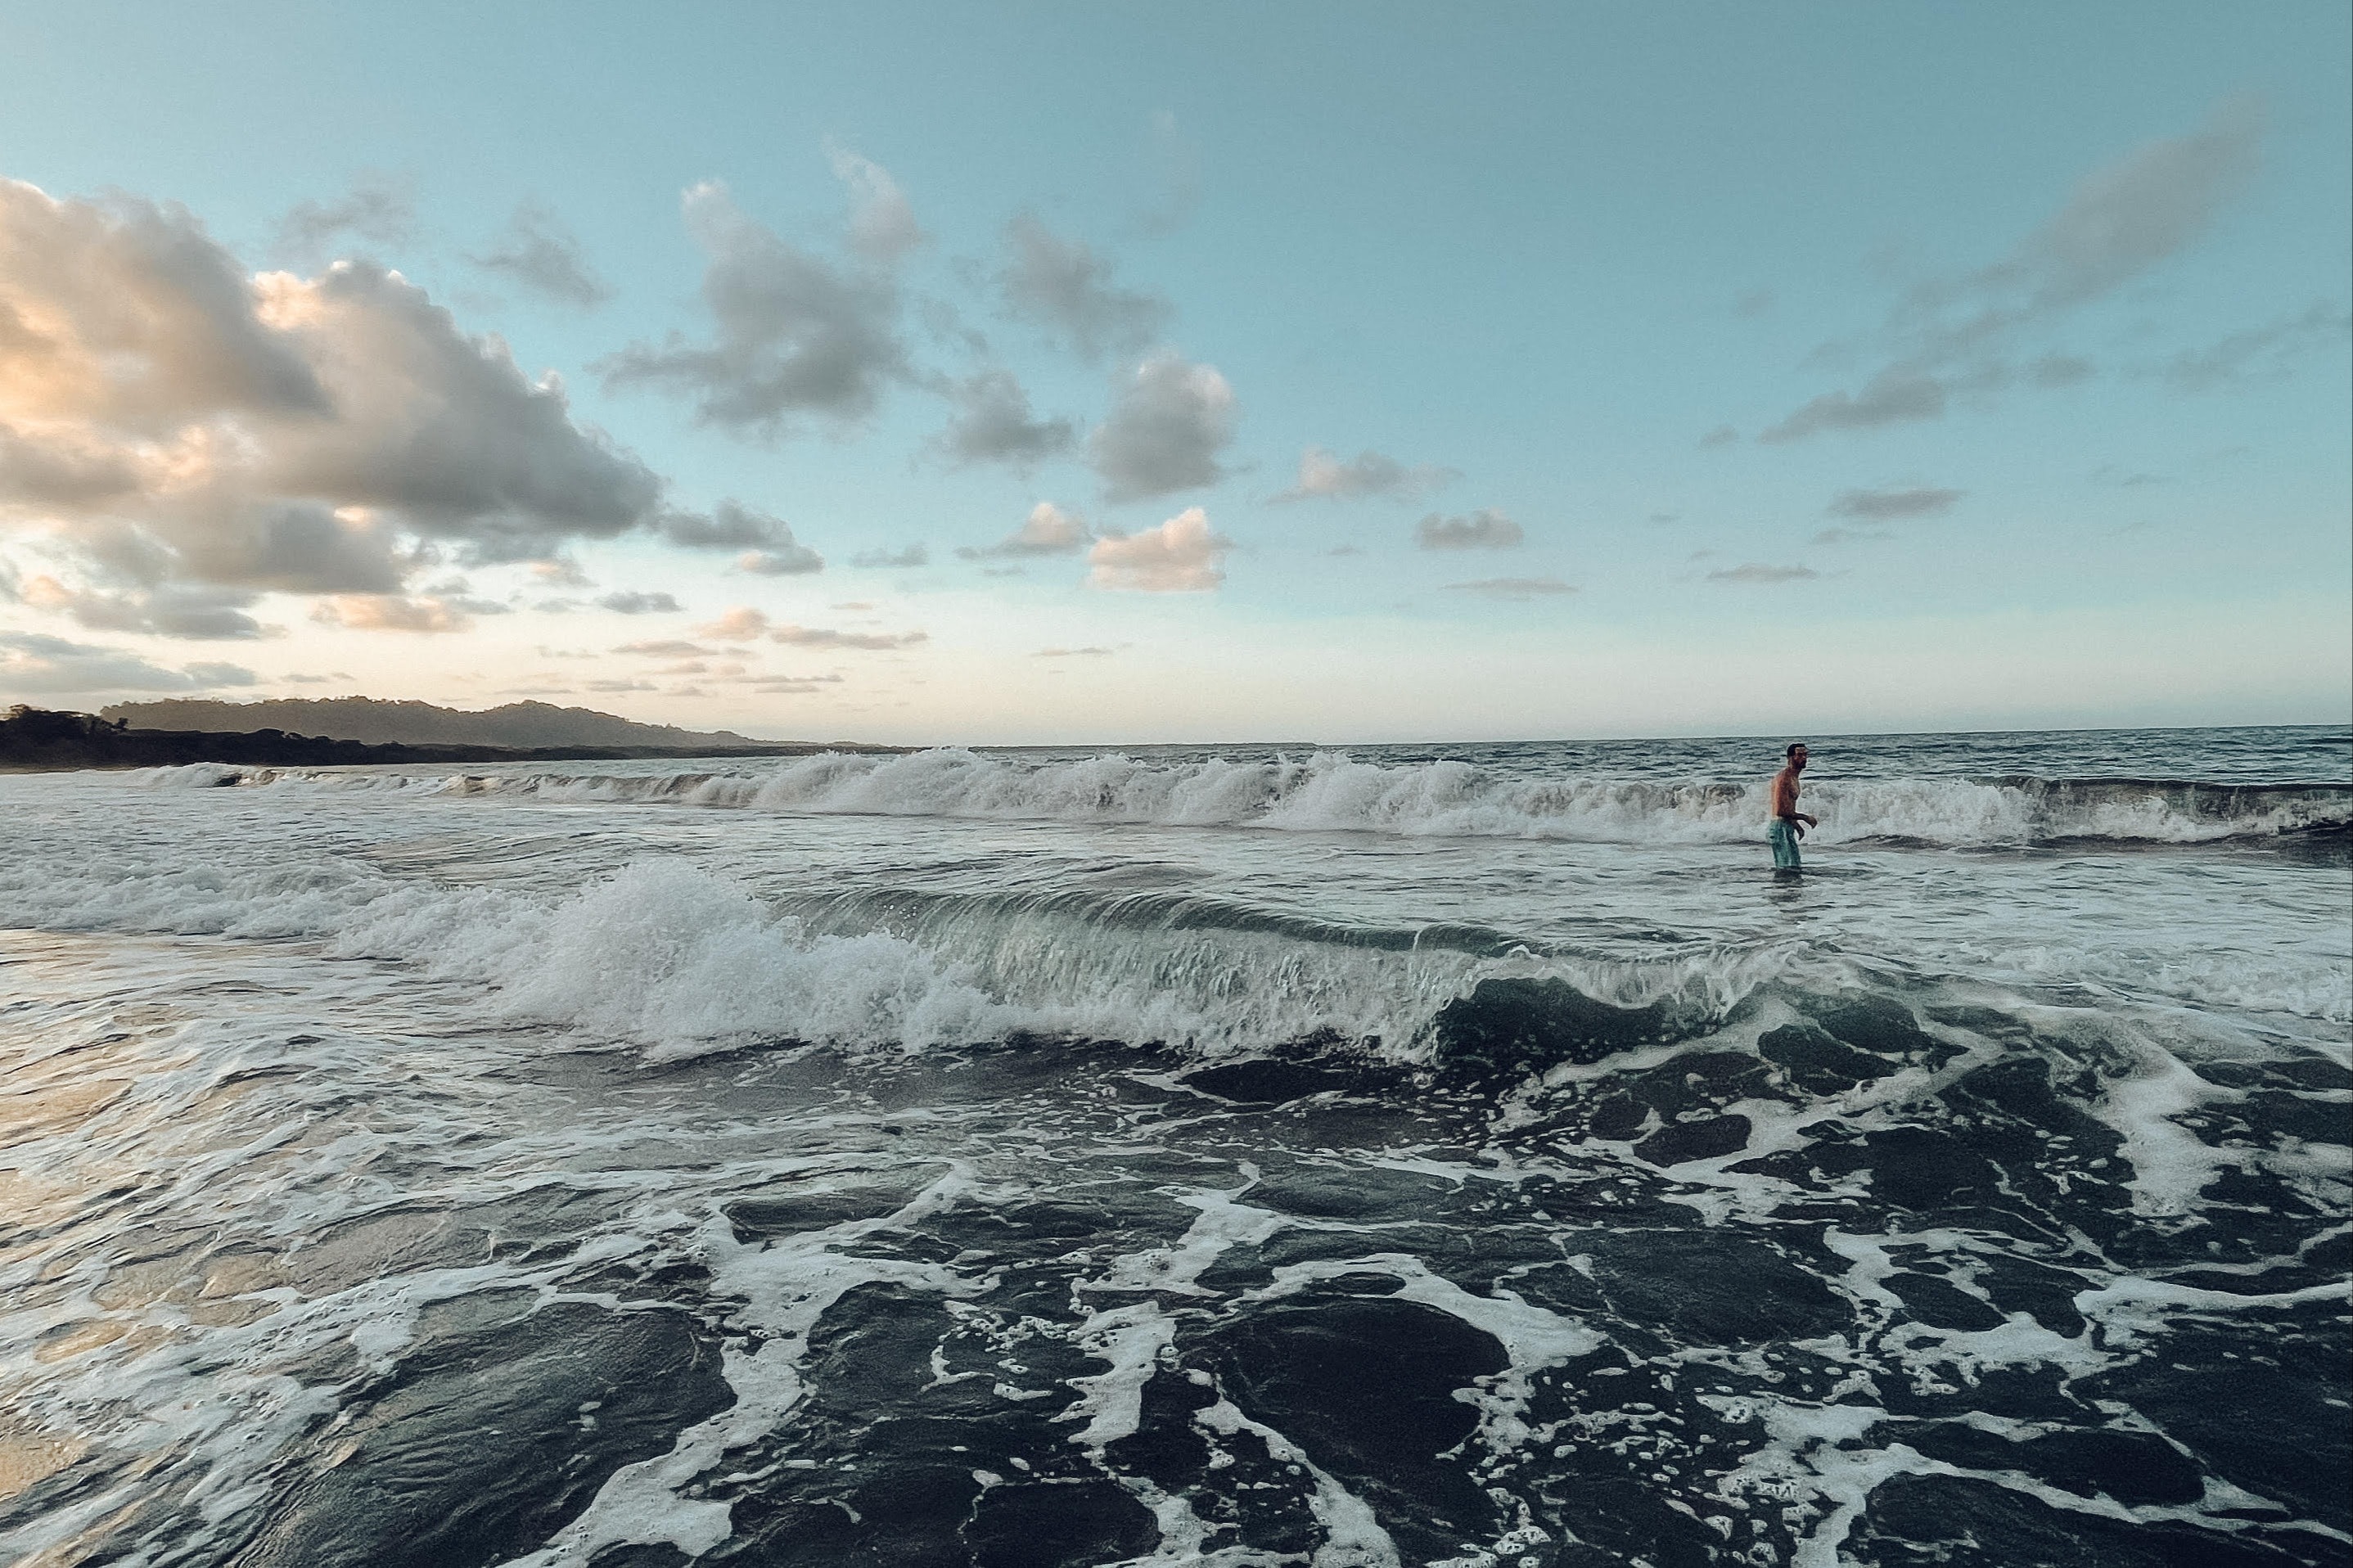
[{"x": 1807, "y": 820}]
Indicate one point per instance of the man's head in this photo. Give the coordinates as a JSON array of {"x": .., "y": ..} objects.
[{"x": 1796, "y": 752}]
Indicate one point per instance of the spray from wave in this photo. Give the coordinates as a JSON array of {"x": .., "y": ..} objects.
[{"x": 1330, "y": 792}]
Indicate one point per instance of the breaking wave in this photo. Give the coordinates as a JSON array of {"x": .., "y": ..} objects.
[{"x": 1330, "y": 792}]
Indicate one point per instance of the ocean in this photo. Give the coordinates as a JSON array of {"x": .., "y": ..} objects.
[{"x": 1467, "y": 1155}]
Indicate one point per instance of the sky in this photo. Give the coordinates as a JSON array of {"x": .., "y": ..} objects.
[{"x": 1070, "y": 373}]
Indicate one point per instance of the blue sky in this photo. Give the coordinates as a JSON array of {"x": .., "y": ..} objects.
[{"x": 1722, "y": 368}]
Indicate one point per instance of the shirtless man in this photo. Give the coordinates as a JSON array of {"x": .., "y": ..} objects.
[{"x": 1788, "y": 824}]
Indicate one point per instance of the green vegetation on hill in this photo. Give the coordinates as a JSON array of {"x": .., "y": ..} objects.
[{"x": 378, "y": 722}]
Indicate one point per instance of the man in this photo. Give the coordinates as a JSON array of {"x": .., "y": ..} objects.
[{"x": 1788, "y": 824}]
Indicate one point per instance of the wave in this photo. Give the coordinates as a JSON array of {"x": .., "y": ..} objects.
[
  {"x": 1330, "y": 792},
  {"x": 683, "y": 960}
]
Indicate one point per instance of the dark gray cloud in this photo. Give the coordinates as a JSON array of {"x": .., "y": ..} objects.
[
  {"x": 1485, "y": 529},
  {"x": 1888, "y": 506},
  {"x": 1722, "y": 436},
  {"x": 1064, "y": 286},
  {"x": 993, "y": 424},
  {"x": 1047, "y": 531},
  {"x": 1167, "y": 425},
  {"x": 1755, "y": 573},
  {"x": 379, "y": 208},
  {"x": 34, "y": 664},
  {"x": 793, "y": 336},
  {"x": 1967, "y": 332},
  {"x": 1516, "y": 588},
  {"x": 541, "y": 254},
  {"x": 912, "y": 556},
  {"x": 1324, "y": 477},
  {"x": 640, "y": 604}
]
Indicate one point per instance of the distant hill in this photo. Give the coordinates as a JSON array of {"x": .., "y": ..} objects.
[{"x": 368, "y": 718}]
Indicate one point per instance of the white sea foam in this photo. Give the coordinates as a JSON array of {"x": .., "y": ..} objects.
[{"x": 1331, "y": 791}]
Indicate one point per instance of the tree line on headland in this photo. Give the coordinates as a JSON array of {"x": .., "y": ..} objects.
[{"x": 38, "y": 739}]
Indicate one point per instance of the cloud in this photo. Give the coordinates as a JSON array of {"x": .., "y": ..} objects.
[
  {"x": 1181, "y": 556},
  {"x": 993, "y": 424},
  {"x": 1049, "y": 531},
  {"x": 731, "y": 525},
  {"x": 1754, "y": 572},
  {"x": 1064, "y": 286},
  {"x": 1518, "y": 588},
  {"x": 1896, "y": 395},
  {"x": 1722, "y": 436},
  {"x": 792, "y": 336},
  {"x": 560, "y": 571},
  {"x": 380, "y": 208},
  {"x": 1074, "y": 653},
  {"x": 391, "y": 613},
  {"x": 638, "y": 603},
  {"x": 667, "y": 647},
  {"x": 1886, "y": 506},
  {"x": 2259, "y": 352},
  {"x": 1964, "y": 333},
  {"x": 1753, "y": 302},
  {"x": 1485, "y": 529},
  {"x": 826, "y": 637},
  {"x": 621, "y": 686},
  {"x": 170, "y": 420},
  {"x": 170, "y": 611},
  {"x": 1850, "y": 536},
  {"x": 32, "y": 663},
  {"x": 538, "y": 252},
  {"x": 1324, "y": 477},
  {"x": 912, "y": 556},
  {"x": 740, "y": 624},
  {"x": 1168, "y": 424},
  {"x": 883, "y": 226}
]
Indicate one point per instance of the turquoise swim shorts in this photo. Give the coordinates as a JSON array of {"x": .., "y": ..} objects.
[{"x": 1783, "y": 839}]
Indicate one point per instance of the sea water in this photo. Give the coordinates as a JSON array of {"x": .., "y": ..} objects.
[{"x": 1233, "y": 1155}]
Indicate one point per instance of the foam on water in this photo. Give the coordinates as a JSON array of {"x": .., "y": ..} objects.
[{"x": 1331, "y": 791}]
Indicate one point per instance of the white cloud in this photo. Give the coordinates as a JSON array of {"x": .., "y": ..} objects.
[
  {"x": 1324, "y": 477},
  {"x": 741, "y": 623},
  {"x": 1049, "y": 531},
  {"x": 168, "y": 421},
  {"x": 1181, "y": 555},
  {"x": 1165, "y": 429},
  {"x": 392, "y": 613},
  {"x": 912, "y": 556},
  {"x": 882, "y": 225},
  {"x": 1485, "y": 529}
]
